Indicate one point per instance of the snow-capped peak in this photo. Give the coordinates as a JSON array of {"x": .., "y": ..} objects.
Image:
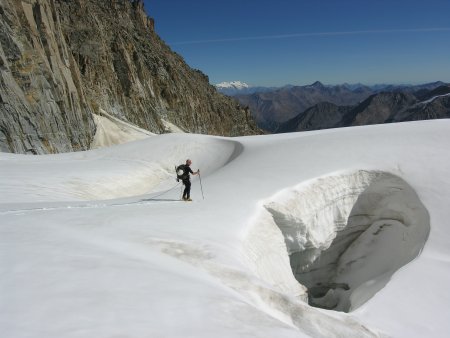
[{"x": 232, "y": 84}]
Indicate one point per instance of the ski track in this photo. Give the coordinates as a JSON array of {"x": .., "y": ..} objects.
[
  {"x": 145, "y": 201},
  {"x": 87, "y": 206}
]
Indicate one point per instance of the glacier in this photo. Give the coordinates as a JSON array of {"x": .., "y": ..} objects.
[{"x": 332, "y": 233}]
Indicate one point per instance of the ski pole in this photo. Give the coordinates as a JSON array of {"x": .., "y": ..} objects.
[{"x": 201, "y": 187}]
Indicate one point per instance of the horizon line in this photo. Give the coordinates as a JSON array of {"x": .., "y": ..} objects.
[
  {"x": 297, "y": 35},
  {"x": 332, "y": 84}
]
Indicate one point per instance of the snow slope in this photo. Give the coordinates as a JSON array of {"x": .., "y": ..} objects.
[
  {"x": 97, "y": 244},
  {"x": 111, "y": 131}
]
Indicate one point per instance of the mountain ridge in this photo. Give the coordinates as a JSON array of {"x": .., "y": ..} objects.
[
  {"x": 351, "y": 86},
  {"x": 63, "y": 61},
  {"x": 272, "y": 108},
  {"x": 384, "y": 107}
]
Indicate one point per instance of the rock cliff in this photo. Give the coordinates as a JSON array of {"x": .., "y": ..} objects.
[{"x": 63, "y": 61}]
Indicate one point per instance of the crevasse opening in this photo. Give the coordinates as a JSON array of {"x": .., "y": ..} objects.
[{"x": 345, "y": 235}]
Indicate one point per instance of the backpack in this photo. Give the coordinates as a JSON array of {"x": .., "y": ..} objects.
[{"x": 181, "y": 174}]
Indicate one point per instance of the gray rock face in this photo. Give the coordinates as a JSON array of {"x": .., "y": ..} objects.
[
  {"x": 61, "y": 61},
  {"x": 42, "y": 107}
]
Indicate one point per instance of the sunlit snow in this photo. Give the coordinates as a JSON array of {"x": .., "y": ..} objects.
[
  {"x": 232, "y": 84},
  {"x": 334, "y": 233}
]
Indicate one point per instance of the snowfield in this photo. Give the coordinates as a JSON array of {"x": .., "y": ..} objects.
[
  {"x": 232, "y": 84},
  {"x": 332, "y": 233}
]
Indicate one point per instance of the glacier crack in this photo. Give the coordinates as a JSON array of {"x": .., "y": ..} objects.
[{"x": 345, "y": 235}]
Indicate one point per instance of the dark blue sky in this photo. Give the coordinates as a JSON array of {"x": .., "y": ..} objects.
[{"x": 264, "y": 42}]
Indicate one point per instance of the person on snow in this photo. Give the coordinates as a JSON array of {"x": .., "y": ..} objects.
[{"x": 186, "y": 179}]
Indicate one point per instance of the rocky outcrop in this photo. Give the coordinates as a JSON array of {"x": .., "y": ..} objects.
[
  {"x": 62, "y": 61},
  {"x": 43, "y": 108}
]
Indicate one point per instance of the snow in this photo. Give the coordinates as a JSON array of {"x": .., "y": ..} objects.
[
  {"x": 347, "y": 234},
  {"x": 170, "y": 127},
  {"x": 111, "y": 131},
  {"x": 97, "y": 243},
  {"x": 434, "y": 98},
  {"x": 232, "y": 84}
]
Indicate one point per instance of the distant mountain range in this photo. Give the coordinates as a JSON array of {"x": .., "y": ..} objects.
[
  {"x": 384, "y": 107},
  {"x": 319, "y": 106},
  {"x": 234, "y": 88},
  {"x": 238, "y": 85}
]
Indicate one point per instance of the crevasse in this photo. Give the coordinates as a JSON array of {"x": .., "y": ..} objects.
[{"x": 345, "y": 235}]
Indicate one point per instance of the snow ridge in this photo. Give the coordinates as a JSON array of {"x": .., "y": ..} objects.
[
  {"x": 232, "y": 85},
  {"x": 433, "y": 98}
]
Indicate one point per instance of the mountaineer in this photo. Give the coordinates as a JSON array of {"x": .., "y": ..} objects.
[{"x": 183, "y": 171}]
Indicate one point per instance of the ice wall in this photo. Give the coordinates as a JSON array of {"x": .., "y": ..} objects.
[{"x": 345, "y": 235}]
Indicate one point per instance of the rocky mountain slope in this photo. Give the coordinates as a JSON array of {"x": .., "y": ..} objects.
[
  {"x": 379, "y": 108},
  {"x": 321, "y": 116},
  {"x": 273, "y": 109},
  {"x": 63, "y": 61},
  {"x": 270, "y": 109}
]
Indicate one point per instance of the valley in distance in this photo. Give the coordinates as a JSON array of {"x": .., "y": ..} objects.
[{"x": 318, "y": 106}]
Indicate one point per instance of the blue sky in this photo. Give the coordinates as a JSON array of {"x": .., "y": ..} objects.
[{"x": 273, "y": 43}]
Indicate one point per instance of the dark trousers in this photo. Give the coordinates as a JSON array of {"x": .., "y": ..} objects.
[{"x": 187, "y": 189}]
